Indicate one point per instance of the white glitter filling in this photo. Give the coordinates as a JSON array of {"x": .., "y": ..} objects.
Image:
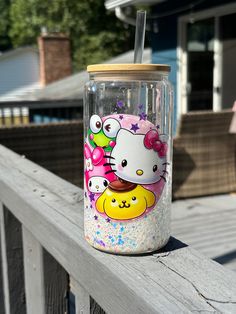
[{"x": 146, "y": 234}]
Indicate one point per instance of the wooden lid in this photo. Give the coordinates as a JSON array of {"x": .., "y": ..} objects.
[{"x": 128, "y": 67}]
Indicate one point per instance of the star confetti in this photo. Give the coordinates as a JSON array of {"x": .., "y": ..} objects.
[
  {"x": 120, "y": 104},
  {"x": 85, "y": 194},
  {"x": 134, "y": 127},
  {"x": 108, "y": 219},
  {"x": 91, "y": 196},
  {"x": 121, "y": 117},
  {"x": 95, "y": 217},
  {"x": 143, "y": 116},
  {"x": 140, "y": 107},
  {"x": 158, "y": 126}
]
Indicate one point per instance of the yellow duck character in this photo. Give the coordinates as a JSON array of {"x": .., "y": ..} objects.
[{"x": 122, "y": 203}]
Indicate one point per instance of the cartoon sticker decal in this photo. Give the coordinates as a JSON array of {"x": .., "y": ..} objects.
[
  {"x": 135, "y": 157},
  {"x": 120, "y": 202},
  {"x": 98, "y": 173},
  {"x": 101, "y": 133},
  {"x": 125, "y": 169}
]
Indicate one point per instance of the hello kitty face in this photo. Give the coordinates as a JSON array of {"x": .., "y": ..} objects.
[{"x": 134, "y": 162}]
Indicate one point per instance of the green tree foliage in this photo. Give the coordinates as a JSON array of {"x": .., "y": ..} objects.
[
  {"x": 95, "y": 33},
  {"x": 5, "y": 41}
]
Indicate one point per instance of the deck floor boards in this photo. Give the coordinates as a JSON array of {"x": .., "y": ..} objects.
[{"x": 208, "y": 224}]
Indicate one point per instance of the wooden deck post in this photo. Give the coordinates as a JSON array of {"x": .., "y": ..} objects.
[
  {"x": 82, "y": 298},
  {"x": 34, "y": 276}
]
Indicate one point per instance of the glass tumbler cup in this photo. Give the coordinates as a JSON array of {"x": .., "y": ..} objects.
[{"x": 127, "y": 157}]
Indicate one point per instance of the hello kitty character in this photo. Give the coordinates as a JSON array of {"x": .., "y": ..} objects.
[
  {"x": 139, "y": 158},
  {"x": 98, "y": 173}
]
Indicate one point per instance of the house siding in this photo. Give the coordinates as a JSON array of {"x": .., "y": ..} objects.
[
  {"x": 164, "y": 42},
  {"x": 169, "y": 57},
  {"x": 18, "y": 70},
  {"x": 164, "y": 50}
]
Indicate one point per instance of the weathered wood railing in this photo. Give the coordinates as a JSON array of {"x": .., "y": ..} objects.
[{"x": 50, "y": 210}]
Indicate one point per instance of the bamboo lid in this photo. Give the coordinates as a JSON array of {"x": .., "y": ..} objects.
[{"x": 128, "y": 67}]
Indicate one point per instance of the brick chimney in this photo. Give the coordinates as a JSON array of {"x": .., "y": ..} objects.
[{"x": 54, "y": 57}]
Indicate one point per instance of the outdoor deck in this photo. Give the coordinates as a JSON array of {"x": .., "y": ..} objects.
[
  {"x": 208, "y": 224},
  {"x": 178, "y": 279}
]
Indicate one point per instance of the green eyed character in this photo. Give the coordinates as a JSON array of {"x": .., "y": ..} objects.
[{"x": 103, "y": 133}]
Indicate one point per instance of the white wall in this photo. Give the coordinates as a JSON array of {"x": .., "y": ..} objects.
[{"x": 18, "y": 70}]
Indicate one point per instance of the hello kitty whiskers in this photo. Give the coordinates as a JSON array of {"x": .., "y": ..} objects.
[
  {"x": 110, "y": 171},
  {"x": 108, "y": 164},
  {"x": 106, "y": 156},
  {"x": 163, "y": 178}
]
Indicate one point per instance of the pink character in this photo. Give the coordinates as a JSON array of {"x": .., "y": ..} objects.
[{"x": 98, "y": 172}]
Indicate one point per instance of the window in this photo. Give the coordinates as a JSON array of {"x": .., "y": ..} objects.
[
  {"x": 207, "y": 59},
  {"x": 200, "y": 64}
]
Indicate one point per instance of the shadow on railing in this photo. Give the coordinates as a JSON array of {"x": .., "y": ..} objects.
[
  {"x": 225, "y": 258},
  {"x": 49, "y": 213}
]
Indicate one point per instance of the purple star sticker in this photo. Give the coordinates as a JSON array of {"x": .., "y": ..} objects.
[
  {"x": 91, "y": 196},
  {"x": 140, "y": 107},
  {"x": 95, "y": 217},
  {"x": 108, "y": 219},
  {"x": 143, "y": 116},
  {"x": 120, "y": 104},
  {"x": 134, "y": 127},
  {"x": 121, "y": 117}
]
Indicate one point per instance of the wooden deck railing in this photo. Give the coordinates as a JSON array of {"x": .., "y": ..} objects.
[{"x": 176, "y": 280}]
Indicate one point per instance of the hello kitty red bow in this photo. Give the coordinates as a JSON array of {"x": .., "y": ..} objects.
[{"x": 152, "y": 141}]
